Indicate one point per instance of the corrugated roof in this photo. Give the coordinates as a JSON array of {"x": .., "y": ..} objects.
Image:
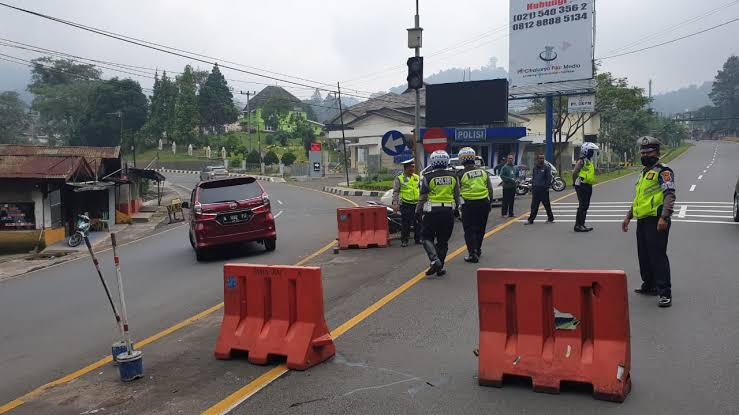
[
  {"x": 272, "y": 92},
  {"x": 44, "y": 167},
  {"x": 93, "y": 155}
]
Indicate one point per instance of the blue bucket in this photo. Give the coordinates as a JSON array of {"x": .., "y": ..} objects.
[
  {"x": 131, "y": 366},
  {"x": 117, "y": 348}
]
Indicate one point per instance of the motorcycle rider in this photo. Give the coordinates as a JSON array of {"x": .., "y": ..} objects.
[
  {"x": 584, "y": 174},
  {"x": 653, "y": 205},
  {"x": 438, "y": 202},
  {"x": 475, "y": 190},
  {"x": 405, "y": 199}
]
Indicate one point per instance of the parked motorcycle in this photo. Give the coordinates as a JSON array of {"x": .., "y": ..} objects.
[
  {"x": 524, "y": 185},
  {"x": 82, "y": 231},
  {"x": 394, "y": 219}
]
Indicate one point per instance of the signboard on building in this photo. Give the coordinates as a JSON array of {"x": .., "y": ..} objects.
[
  {"x": 581, "y": 103},
  {"x": 470, "y": 135},
  {"x": 550, "y": 41}
]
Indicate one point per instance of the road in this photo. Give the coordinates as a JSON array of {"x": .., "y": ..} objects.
[
  {"x": 57, "y": 320},
  {"x": 414, "y": 355}
]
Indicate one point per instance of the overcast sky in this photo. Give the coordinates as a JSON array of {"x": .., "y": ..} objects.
[{"x": 330, "y": 40}]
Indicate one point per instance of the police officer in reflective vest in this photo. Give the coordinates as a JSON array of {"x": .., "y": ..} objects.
[
  {"x": 475, "y": 189},
  {"x": 584, "y": 174},
  {"x": 438, "y": 202},
  {"x": 653, "y": 206},
  {"x": 405, "y": 199}
]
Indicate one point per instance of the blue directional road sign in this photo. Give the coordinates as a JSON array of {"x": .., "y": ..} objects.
[{"x": 393, "y": 143}]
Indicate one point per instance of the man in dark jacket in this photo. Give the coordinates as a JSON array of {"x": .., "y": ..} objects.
[
  {"x": 541, "y": 181},
  {"x": 508, "y": 175}
]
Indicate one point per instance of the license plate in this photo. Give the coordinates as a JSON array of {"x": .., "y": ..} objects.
[{"x": 235, "y": 217}]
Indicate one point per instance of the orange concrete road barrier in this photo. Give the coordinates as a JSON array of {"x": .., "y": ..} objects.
[
  {"x": 363, "y": 227},
  {"x": 274, "y": 310},
  {"x": 554, "y": 326}
]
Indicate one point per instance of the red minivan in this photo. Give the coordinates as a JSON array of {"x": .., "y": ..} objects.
[{"x": 229, "y": 211}]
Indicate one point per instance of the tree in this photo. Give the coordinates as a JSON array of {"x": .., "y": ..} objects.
[
  {"x": 273, "y": 110},
  {"x": 186, "y": 108},
  {"x": 215, "y": 102},
  {"x": 169, "y": 92},
  {"x": 200, "y": 76},
  {"x": 61, "y": 91},
  {"x": 303, "y": 131},
  {"x": 725, "y": 93},
  {"x": 253, "y": 157},
  {"x": 280, "y": 137},
  {"x": 100, "y": 126},
  {"x": 13, "y": 117},
  {"x": 271, "y": 158},
  {"x": 288, "y": 159}
]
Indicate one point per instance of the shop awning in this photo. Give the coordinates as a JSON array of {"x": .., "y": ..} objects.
[
  {"x": 146, "y": 174},
  {"x": 90, "y": 186}
]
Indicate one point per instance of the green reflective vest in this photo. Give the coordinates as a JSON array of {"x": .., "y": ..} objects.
[
  {"x": 648, "y": 197},
  {"x": 474, "y": 185},
  {"x": 409, "y": 188},
  {"x": 441, "y": 187},
  {"x": 587, "y": 172}
]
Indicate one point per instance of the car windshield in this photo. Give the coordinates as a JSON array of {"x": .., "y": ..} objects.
[
  {"x": 229, "y": 192},
  {"x": 219, "y": 171}
]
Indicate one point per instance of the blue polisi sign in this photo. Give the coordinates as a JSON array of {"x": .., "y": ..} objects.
[
  {"x": 393, "y": 143},
  {"x": 470, "y": 135}
]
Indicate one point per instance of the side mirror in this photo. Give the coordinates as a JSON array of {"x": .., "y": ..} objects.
[{"x": 185, "y": 205}]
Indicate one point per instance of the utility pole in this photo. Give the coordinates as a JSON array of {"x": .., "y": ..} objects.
[
  {"x": 418, "y": 150},
  {"x": 248, "y": 116},
  {"x": 650, "y": 93},
  {"x": 343, "y": 136}
]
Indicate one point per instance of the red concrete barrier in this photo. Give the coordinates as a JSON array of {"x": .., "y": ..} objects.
[
  {"x": 586, "y": 339},
  {"x": 363, "y": 227},
  {"x": 274, "y": 310}
]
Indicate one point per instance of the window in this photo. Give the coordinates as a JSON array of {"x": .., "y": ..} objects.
[
  {"x": 17, "y": 216},
  {"x": 229, "y": 192},
  {"x": 55, "y": 206}
]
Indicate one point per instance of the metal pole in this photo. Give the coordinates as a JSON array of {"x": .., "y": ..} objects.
[
  {"x": 124, "y": 316},
  {"x": 105, "y": 285},
  {"x": 343, "y": 136},
  {"x": 418, "y": 149},
  {"x": 549, "y": 127}
]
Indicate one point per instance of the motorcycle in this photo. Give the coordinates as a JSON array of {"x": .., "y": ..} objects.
[
  {"x": 524, "y": 185},
  {"x": 394, "y": 218},
  {"x": 82, "y": 231}
]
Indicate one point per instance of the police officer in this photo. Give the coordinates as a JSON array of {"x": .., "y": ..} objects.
[
  {"x": 653, "y": 206},
  {"x": 475, "y": 189},
  {"x": 438, "y": 201},
  {"x": 405, "y": 199},
  {"x": 584, "y": 174}
]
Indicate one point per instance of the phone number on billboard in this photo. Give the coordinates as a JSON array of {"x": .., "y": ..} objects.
[{"x": 550, "y": 21}]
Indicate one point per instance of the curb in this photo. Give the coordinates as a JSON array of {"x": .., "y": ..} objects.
[
  {"x": 342, "y": 191},
  {"x": 258, "y": 177}
]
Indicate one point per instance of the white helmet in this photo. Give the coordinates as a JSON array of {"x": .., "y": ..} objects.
[
  {"x": 466, "y": 155},
  {"x": 439, "y": 159},
  {"x": 587, "y": 147}
]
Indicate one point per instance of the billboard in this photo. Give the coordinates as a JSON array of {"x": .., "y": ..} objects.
[
  {"x": 467, "y": 103},
  {"x": 581, "y": 103},
  {"x": 550, "y": 41}
]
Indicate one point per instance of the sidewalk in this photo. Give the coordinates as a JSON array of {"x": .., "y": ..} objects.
[{"x": 12, "y": 266}]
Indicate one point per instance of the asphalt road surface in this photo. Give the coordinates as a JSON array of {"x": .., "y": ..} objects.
[
  {"x": 57, "y": 320},
  {"x": 414, "y": 355}
]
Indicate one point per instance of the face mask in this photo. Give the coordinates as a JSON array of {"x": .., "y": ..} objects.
[{"x": 649, "y": 161}]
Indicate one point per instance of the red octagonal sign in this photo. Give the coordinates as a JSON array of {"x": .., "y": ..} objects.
[{"x": 434, "y": 139}]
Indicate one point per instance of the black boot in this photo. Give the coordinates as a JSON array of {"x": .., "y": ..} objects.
[
  {"x": 580, "y": 228},
  {"x": 472, "y": 258}
]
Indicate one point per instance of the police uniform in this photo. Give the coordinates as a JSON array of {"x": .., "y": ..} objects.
[
  {"x": 405, "y": 195},
  {"x": 654, "y": 199},
  {"x": 475, "y": 190},
  {"x": 440, "y": 188},
  {"x": 584, "y": 189}
]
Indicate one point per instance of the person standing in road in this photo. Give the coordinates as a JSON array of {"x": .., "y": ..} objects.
[
  {"x": 405, "y": 199},
  {"x": 654, "y": 202},
  {"x": 475, "y": 190},
  {"x": 508, "y": 176},
  {"x": 438, "y": 203},
  {"x": 584, "y": 176},
  {"x": 541, "y": 181}
]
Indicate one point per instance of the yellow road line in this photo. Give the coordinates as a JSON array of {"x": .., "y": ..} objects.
[
  {"x": 241, "y": 395},
  {"x": 151, "y": 339}
]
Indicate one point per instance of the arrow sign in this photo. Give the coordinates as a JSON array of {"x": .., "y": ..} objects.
[{"x": 393, "y": 143}]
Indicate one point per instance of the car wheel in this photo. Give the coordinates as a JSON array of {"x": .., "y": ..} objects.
[
  {"x": 270, "y": 244},
  {"x": 736, "y": 208},
  {"x": 199, "y": 255}
]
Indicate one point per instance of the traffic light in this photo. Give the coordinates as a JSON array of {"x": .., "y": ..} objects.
[{"x": 415, "y": 72}]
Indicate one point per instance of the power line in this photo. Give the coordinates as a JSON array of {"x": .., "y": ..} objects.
[
  {"x": 669, "y": 41},
  {"x": 173, "y": 51},
  {"x": 673, "y": 27}
]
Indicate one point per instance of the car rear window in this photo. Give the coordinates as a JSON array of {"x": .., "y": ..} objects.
[
  {"x": 219, "y": 171},
  {"x": 215, "y": 192}
]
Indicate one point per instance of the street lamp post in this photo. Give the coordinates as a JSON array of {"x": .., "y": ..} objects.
[{"x": 119, "y": 114}]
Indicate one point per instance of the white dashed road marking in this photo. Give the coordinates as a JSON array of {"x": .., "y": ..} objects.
[
  {"x": 692, "y": 188},
  {"x": 700, "y": 177},
  {"x": 683, "y": 211}
]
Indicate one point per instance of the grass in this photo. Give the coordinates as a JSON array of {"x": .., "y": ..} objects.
[
  {"x": 376, "y": 185},
  {"x": 672, "y": 154}
]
